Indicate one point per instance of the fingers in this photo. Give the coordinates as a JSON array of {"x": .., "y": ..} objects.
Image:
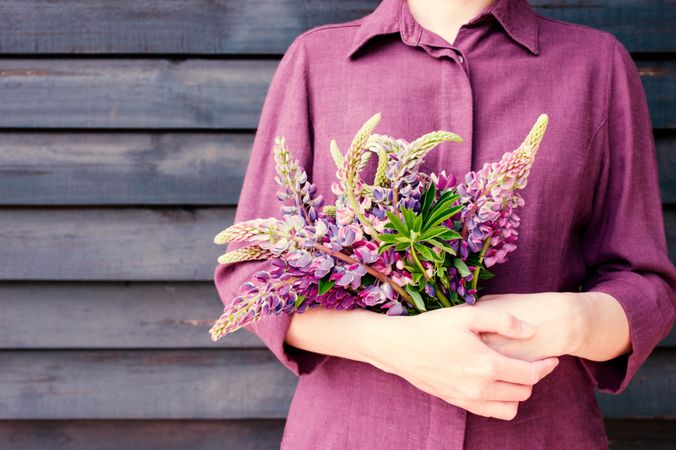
[
  {"x": 500, "y": 322},
  {"x": 518, "y": 371}
]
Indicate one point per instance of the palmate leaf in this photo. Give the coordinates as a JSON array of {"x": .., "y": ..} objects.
[
  {"x": 387, "y": 238},
  {"x": 410, "y": 218},
  {"x": 396, "y": 223},
  {"x": 431, "y": 233},
  {"x": 325, "y": 284}
]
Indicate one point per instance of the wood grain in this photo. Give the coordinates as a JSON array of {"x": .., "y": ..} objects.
[
  {"x": 113, "y": 316},
  {"x": 160, "y": 168},
  {"x": 129, "y": 244},
  {"x": 623, "y": 434},
  {"x": 119, "y": 316},
  {"x": 231, "y": 27},
  {"x": 218, "y": 384},
  {"x": 187, "y": 93}
]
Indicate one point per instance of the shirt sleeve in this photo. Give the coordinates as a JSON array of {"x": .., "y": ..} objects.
[
  {"x": 285, "y": 113},
  {"x": 625, "y": 248}
]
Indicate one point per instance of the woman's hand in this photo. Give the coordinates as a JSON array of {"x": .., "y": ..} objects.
[
  {"x": 555, "y": 315},
  {"x": 441, "y": 353}
]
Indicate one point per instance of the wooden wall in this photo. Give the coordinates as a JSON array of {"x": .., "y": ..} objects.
[{"x": 125, "y": 129}]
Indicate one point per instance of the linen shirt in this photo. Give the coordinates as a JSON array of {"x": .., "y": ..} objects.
[{"x": 592, "y": 218}]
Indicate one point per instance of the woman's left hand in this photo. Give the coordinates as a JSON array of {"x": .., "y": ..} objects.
[{"x": 556, "y": 317}]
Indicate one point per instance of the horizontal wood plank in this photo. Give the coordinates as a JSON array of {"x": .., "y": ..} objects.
[
  {"x": 192, "y": 93},
  {"x": 231, "y": 27},
  {"x": 623, "y": 434},
  {"x": 159, "y": 244},
  {"x": 129, "y": 244},
  {"x": 640, "y": 434},
  {"x": 217, "y": 384},
  {"x": 141, "y": 434},
  {"x": 184, "y": 168},
  {"x": 113, "y": 315},
  {"x": 108, "y": 168},
  {"x": 119, "y": 316},
  {"x": 144, "y": 384}
]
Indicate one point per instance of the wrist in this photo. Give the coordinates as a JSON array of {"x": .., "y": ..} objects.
[
  {"x": 580, "y": 304},
  {"x": 380, "y": 337}
]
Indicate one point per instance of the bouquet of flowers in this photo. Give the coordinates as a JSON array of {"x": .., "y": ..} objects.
[{"x": 409, "y": 242}]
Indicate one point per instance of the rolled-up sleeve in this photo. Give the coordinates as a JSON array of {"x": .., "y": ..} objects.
[
  {"x": 285, "y": 113},
  {"x": 625, "y": 248}
]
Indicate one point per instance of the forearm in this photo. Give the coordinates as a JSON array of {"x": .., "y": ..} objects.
[
  {"x": 604, "y": 329},
  {"x": 350, "y": 334}
]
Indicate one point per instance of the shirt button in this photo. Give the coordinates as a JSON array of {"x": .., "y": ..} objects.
[{"x": 462, "y": 60}]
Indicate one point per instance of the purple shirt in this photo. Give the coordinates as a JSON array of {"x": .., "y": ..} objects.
[{"x": 592, "y": 217}]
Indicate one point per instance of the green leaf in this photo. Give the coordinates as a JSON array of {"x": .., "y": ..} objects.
[
  {"x": 484, "y": 274},
  {"x": 396, "y": 222},
  {"x": 426, "y": 252},
  {"x": 427, "y": 199},
  {"x": 461, "y": 266},
  {"x": 437, "y": 217},
  {"x": 417, "y": 223},
  {"x": 325, "y": 284},
  {"x": 298, "y": 301},
  {"x": 442, "y": 246},
  {"x": 402, "y": 246},
  {"x": 431, "y": 233},
  {"x": 449, "y": 235},
  {"x": 367, "y": 279},
  {"x": 409, "y": 217},
  {"x": 384, "y": 247},
  {"x": 387, "y": 237},
  {"x": 417, "y": 298}
]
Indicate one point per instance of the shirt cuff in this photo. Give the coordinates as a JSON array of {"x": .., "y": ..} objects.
[
  {"x": 272, "y": 331},
  {"x": 648, "y": 325}
]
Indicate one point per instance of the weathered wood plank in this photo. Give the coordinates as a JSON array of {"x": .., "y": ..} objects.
[
  {"x": 230, "y": 27},
  {"x": 144, "y": 384},
  {"x": 217, "y": 384},
  {"x": 192, "y": 93},
  {"x": 53, "y": 168},
  {"x": 119, "y": 316},
  {"x": 113, "y": 315},
  {"x": 130, "y": 244},
  {"x": 133, "y": 93},
  {"x": 623, "y": 434},
  {"x": 107, "y": 168},
  {"x": 650, "y": 393},
  {"x": 141, "y": 434},
  {"x": 160, "y": 244},
  {"x": 640, "y": 434}
]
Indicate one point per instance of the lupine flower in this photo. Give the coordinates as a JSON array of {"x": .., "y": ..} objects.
[{"x": 328, "y": 256}]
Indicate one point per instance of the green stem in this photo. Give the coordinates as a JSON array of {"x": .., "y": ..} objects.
[
  {"x": 376, "y": 273},
  {"x": 477, "y": 269},
  {"x": 437, "y": 291}
]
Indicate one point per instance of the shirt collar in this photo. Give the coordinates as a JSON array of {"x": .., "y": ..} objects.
[{"x": 517, "y": 18}]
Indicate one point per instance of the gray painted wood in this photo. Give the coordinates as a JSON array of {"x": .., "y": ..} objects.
[
  {"x": 144, "y": 384},
  {"x": 113, "y": 315},
  {"x": 133, "y": 93},
  {"x": 118, "y": 168},
  {"x": 186, "y": 93},
  {"x": 231, "y": 27},
  {"x": 119, "y": 316},
  {"x": 131, "y": 244},
  {"x": 623, "y": 434},
  {"x": 141, "y": 434},
  {"x": 56, "y": 168},
  {"x": 159, "y": 244},
  {"x": 650, "y": 393},
  {"x": 217, "y": 384}
]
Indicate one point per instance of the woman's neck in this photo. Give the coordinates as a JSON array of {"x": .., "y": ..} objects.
[{"x": 445, "y": 17}]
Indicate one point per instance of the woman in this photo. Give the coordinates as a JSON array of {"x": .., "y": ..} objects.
[{"x": 591, "y": 272}]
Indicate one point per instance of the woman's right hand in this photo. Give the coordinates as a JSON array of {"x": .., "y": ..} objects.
[{"x": 441, "y": 353}]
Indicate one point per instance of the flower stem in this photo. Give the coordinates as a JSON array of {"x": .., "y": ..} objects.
[
  {"x": 376, "y": 273},
  {"x": 437, "y": 292},
  {"x": 477, "y": 269}
]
